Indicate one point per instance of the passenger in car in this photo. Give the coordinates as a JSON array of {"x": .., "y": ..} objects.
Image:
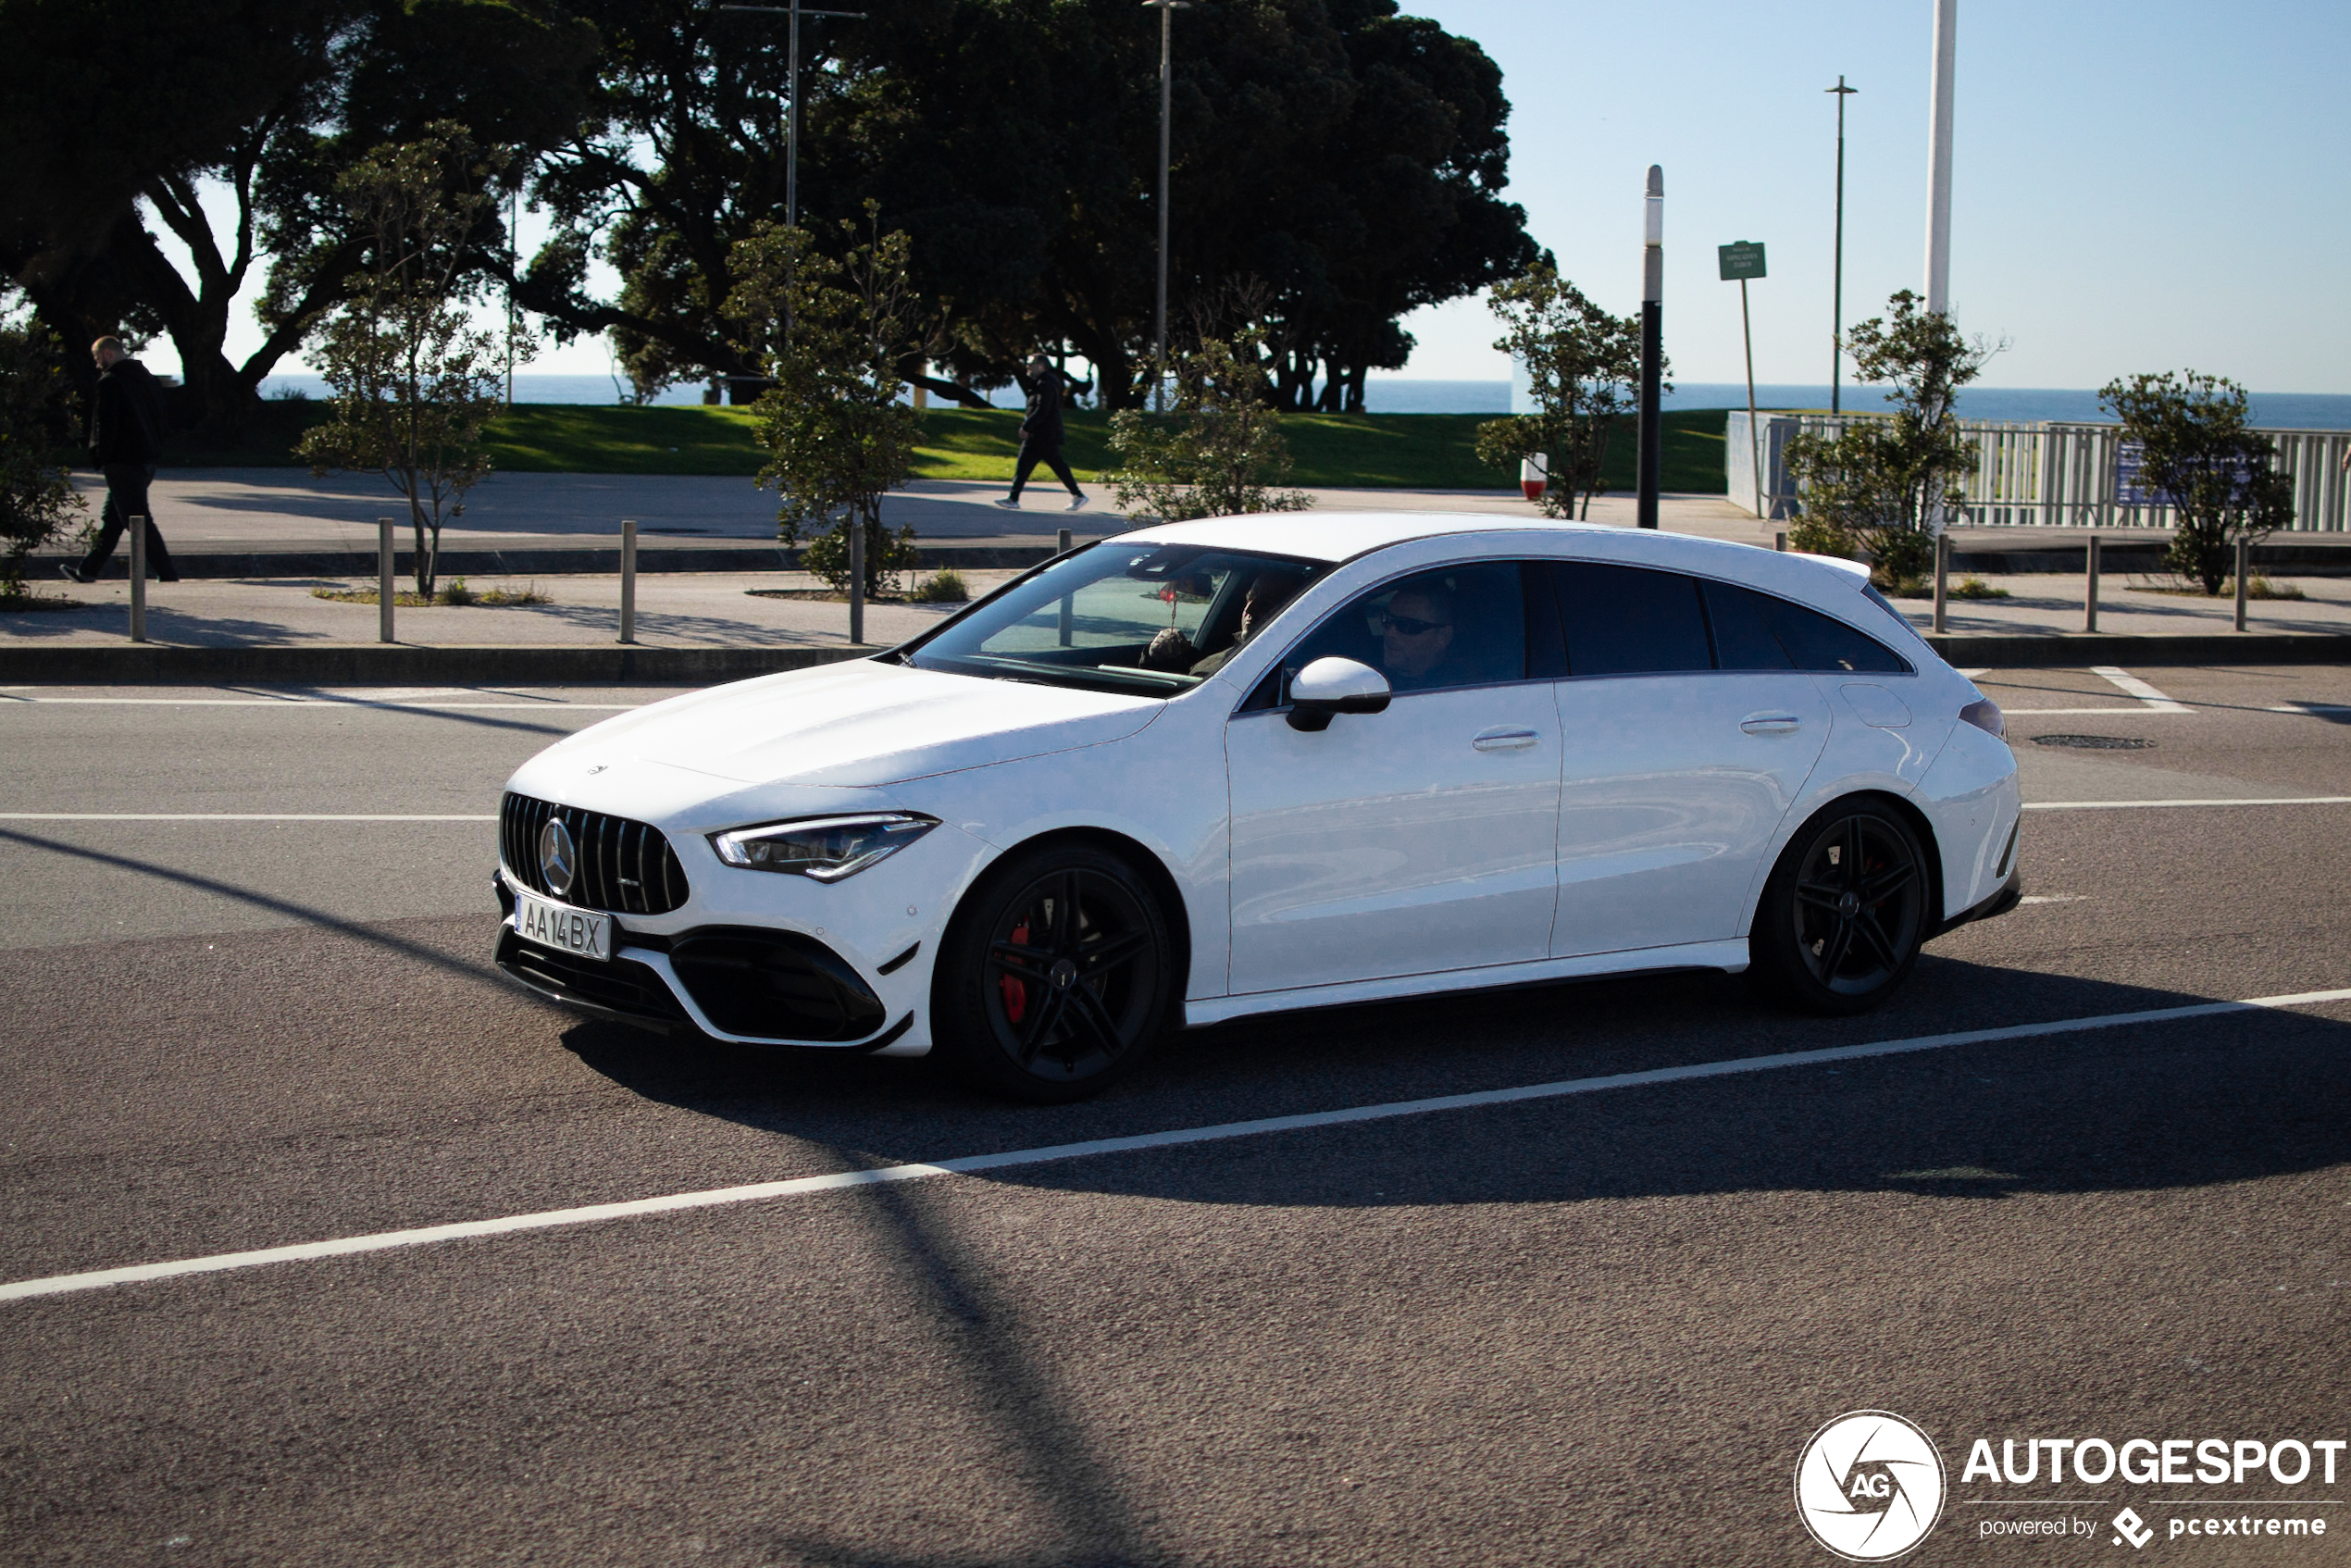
[{"x": 1267, "y": 593}]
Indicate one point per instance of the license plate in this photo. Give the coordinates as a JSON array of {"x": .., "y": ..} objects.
[{"x": 560, "y": 926}]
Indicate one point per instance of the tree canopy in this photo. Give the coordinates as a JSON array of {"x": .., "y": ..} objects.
[
  {"x": 1347, "y": 157},
  {"x": 119, "y": 113}
]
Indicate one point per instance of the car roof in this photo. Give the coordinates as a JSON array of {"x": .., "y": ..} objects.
[
  {"x": 1334, "y": 536},
  {"x": 1822, "y": 582},
  {"x": 1343, "y": 536}
]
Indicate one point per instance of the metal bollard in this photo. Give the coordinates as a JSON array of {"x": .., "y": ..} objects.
[
  {"x": 856, "y": 580},
  {"x": 384, "y": 594},
  {"x": 1061, "y": 542},
  {"x": 1779, "y": 541},
  {"x": 628, "y": 579},
  {"x": 1942, "y": 581},
  {"x": 2244, "y": 570},
  {"x": 138, "y": 527},
  {"x": 2090, "y": 599}
]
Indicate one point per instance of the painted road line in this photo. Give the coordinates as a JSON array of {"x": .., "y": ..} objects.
[
  {"x": 2128, "y": 805},
  {"x": 595, "y": 1213},
  {"x": 2124, "y": 681},
  {"x": 2052, "y": 713},
  {"x": 223, "y": 816}
]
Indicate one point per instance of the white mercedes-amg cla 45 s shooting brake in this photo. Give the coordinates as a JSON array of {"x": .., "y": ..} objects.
[{"x": 1216, "y": 768}]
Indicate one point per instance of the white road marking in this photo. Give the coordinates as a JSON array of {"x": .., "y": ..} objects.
[
  {"x": 222, "y": 817},
  {"x": 594, "y": 1214},
  {"x": 2047, "y": 712},
  {"x": 1977, "y": 674},
  {"x": 2312, "y": 708},
  {"x": 2124, "y": 681},
  {"x": 2054, "y": 898},
  {"x": 2125, "y": 805}
]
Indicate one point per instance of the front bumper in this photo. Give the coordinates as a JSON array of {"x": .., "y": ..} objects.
[{"x": 748, "y": 985}]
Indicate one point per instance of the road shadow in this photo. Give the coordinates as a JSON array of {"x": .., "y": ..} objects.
[{"x": 2185, "y": 1103}]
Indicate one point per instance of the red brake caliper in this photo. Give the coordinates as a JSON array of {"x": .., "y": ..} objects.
[{"x": 1015, "y": 993}]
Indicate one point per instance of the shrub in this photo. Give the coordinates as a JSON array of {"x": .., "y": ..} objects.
[{"x": 942, "y": 587}]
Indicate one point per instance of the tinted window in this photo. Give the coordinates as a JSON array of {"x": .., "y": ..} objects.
[
  {"x": 1743, "y": 635},
  {"x": 1628, "y": 620},
  {"x": 1463, "y": 626},
  {"x": 1818, "y": 643}
]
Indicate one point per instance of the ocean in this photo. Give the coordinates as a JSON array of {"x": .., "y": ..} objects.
[{"x": 1400, "y": 394}]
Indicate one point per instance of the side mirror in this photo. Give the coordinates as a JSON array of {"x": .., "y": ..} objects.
[{"x": 1329, "y": 687}]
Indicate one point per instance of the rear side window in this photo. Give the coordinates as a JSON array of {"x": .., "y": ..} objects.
[
  {"x": 1819, "y": 642},
  {"x": 1628, "y": 620},
  {"x": 1743, "y": 634}
]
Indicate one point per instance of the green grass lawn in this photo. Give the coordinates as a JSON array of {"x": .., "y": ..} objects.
[{"x": 1380, "y": 451}]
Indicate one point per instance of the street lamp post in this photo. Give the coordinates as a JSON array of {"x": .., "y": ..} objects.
[
  {"x": 791, "y": 132},
  {"x": 1166, "y": 9},
  {"x": 1938, "y": 160},
  {"x": 1837, "y": 287},
  {"x": 1653, "y": 344}
]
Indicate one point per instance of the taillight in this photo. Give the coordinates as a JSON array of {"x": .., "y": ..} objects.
[{"x": 1985, "y": 714}]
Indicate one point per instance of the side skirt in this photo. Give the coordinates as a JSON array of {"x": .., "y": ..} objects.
[{"x": 1726, "y": 955}]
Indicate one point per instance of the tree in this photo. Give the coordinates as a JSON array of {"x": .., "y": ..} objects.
[
  {"x": 414, "y": 381},
  {"x": 1220, "y": 450},
  {"x": 1352, "y": 158},
  {"x": 1584, "y": 370},
  {"x": 829, "y": 335},
  {"x": 1880, "y": 486},
  {"x": 37, "y": 497},
  {"x": 225, "y": 126},
  {"x": 2218, "y": 475}
]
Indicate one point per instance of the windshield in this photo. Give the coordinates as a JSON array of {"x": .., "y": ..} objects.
[{"x": 1153, "y": 619}]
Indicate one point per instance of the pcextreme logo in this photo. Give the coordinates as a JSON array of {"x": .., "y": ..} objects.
[{"x": 1868, "y": 1486}]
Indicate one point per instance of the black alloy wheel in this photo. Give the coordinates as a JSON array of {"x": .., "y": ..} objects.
[
  {"x": 1058, "y": 976},
  {"x": 1844, "y": 911}
]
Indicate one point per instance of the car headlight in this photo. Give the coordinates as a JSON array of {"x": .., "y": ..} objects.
[{"x": 825, "y": 849}]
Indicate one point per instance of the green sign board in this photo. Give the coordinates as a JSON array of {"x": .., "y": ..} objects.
[{"x": 1744, "y": 259}]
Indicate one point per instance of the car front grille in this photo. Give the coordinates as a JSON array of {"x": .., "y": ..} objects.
[{"x": 626, "y": 866}]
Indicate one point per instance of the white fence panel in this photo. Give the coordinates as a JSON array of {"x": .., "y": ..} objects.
[{"x": 2047, "y": 475}]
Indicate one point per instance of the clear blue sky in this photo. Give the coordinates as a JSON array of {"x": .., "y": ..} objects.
[{"x": 2136, "y": 186}]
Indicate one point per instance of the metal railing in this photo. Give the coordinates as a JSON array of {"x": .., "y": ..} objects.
[{"x": 2049, "y": 475}]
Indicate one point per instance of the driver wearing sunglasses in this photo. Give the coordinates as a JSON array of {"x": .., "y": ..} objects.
[{"x": 1415, "y": 632}]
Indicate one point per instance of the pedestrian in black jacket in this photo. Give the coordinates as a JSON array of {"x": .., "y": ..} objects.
[
  {"x": 126, "y": 440},
  {"x": 1041, "y": 432}
]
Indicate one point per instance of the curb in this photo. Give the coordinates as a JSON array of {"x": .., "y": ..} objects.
[
  {"x": 2079, "y": 650},
  {"x": 395, "y": 664},
  {"x": 365, "y": 664},
  {"x": 545, "y": 563}
]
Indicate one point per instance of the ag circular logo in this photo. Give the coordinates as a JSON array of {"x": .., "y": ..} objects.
[
  {"x": 557, "y": 860},
  {"x": 1870, "y": 1485}
]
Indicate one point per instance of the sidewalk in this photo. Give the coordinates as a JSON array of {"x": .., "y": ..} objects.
[
  {"x": 266, "y": 522},
  {"x": 727, "y": 609}
]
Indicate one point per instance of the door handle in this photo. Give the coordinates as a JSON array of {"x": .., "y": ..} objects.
[
  {"x": 1504, "y": 739},
  {"x": 1770, "y": 724}
]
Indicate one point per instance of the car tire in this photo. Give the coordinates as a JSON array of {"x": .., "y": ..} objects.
[
  {"x": 1057, "y": 974},
  {"x": 1846, "y": 909}
]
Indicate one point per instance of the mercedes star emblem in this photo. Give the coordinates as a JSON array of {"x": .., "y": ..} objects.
[{"x": 557, "y": 860}]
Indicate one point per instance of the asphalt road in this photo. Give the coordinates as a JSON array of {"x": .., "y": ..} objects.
[{"x": 1592, "y": 1328}]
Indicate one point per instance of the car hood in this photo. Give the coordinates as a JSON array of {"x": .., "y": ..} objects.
[{"x": 859, "y": 724}]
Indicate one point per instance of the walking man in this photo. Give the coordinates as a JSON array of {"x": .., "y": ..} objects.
[
  {"x": 1040, "y": 433},
  {"x": 126, "y": 440}
]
